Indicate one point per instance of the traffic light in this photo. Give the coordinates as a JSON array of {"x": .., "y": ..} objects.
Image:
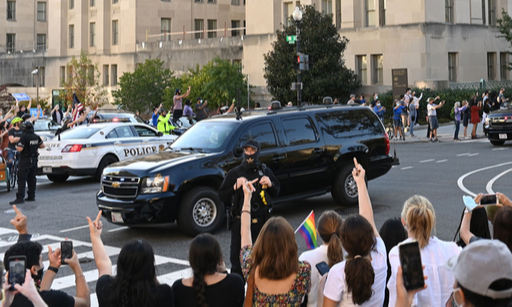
[{"x": 303, "y": 61}]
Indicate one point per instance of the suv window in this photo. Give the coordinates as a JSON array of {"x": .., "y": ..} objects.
[
  {"x": 262, "y": 133},
  {"x": 145, "y": 131},
  {"x": 124, "y": 132},
  {"x": 342, "y": 123},
  {"x": 299, "y": 131}
]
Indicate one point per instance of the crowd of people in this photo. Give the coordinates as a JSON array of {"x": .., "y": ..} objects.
[{"x": 363, "y": 263}]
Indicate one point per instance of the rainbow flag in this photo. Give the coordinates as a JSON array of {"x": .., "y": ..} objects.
[{"x": 308, "y": 231}]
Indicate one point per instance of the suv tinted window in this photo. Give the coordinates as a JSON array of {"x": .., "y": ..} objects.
[
  {"x": 299, "y": 131},
  {"x": 262, "y": 133},
  {"x": 144, "y": 131},
  {"x": 344, "y": 123}
]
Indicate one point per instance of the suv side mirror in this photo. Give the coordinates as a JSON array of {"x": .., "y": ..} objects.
[{"x": 238, "y": 152}]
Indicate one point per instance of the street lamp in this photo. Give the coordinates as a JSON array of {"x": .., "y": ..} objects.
[
  {"x": 35, "y": 72},
  {"x": 297, "y": 17}
]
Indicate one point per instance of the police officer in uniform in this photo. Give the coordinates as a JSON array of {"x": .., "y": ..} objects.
[
  {"x": 27, "y": 146},
  {"x": 232, "y": 194}
]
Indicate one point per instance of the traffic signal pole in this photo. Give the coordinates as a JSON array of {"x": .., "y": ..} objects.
[{"x": 299, "y": 77}]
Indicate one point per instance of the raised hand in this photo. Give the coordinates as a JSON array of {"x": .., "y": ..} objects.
[
  {"x": 54, "y": 257},
  {"x": 19, "y": 221},
  {"x": 249, "y": 187},
  {"x": 240, "y": 181},
  {"x": 95, "y": 227},
  {"x": 358, "y": 172},
  {"x": 265, "y": 181}
]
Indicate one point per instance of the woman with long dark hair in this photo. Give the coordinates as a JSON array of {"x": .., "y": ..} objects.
[
  {"x": 208, "y": 287},
  {"x": 135, "y": 284}
]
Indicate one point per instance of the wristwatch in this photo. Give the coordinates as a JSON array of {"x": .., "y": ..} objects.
[{"x": 53, "y": 269}]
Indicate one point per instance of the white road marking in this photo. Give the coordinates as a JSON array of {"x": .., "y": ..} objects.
[
  {"x": 74, "y": 228},
  {"x": 442, "y": 161},
  {"x": 460, "y": 181},
  {"x": 499, "y": 149},
  {"x": 406, "y": 168},
  {"x": 117, "y": 229},
  {"x": 428, "y": 160},
  {"x": 9, "y": 211},
  {"x": 463, "y": 154},
  {"x": 491, "y": 182},
  {"x": 473, "y": 154}
]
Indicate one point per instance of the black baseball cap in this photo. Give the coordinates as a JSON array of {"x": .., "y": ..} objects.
[{"x": 252, "y": 143}]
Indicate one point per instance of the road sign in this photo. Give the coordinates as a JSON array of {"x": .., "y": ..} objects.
[
  {"x": 294, "y": 86},
  {"x": 291, "y": 39}
]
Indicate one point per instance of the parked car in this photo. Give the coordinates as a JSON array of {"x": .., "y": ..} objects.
[
  {"x": 310, "y": 150},
  {"x": 498, "y": 126}
]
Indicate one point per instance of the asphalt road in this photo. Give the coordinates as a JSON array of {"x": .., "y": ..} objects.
[{"x": 442, "y": 172}]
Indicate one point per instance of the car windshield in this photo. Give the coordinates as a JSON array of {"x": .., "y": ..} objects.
[
  {"x": 78, "y": 133},
  {"x": 208, "y": 136},
  {"x": 41, "y": 125}
]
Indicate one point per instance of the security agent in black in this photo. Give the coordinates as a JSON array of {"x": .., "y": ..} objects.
[
  {"x": 27, "y": 146},
  {"x": 231, "y": 193}
]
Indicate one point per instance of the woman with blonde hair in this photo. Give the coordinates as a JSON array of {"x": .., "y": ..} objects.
[
  {"x": 274, "y": 275},
  {"x": 419, "y": 219},
  {"x": 329, "y": 229}
]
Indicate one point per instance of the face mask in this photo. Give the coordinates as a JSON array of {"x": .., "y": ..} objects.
[
  {"x": 39, "y": 277},
  {"x": 376, "y": 96},
  {"x": 251, "y": 161},
  {"x": 378, "y": 104},
  {"x": 397, "y": 104}
]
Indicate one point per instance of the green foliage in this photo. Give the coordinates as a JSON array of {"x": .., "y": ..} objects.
[
  {"x": 504, "y": 25},
  {"x": 327, "y": 75},
  {"x": 83, "y": 79},
  {"x": 144, "y": 88}
]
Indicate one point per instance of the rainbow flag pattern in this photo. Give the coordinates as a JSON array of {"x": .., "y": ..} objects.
[{"x": 308, "y": 231}]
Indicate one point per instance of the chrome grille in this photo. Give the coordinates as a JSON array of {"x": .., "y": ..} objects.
[{"x": 120, "y": 187}]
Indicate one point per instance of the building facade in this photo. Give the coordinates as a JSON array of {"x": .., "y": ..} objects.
[{"x": 440, "y": 42}]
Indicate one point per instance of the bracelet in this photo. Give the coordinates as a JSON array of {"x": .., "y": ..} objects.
[
  {"x": 246, "y": 211},
  {"x": 53, "y": 269}
]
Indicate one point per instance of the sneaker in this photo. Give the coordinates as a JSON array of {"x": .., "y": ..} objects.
[
  {"x": 30, "y": 199},
  {"x": 16, "y": 201},
  {"x": 436, "y": 140}
]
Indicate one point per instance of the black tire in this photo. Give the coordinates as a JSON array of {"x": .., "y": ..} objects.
[
  {"x": 106, "y": 161},
  {"x": 57, "y": 178},
  {"x": 8, "y": 179},
  {"x": 201, "y": 211},
  {"x": 497, "y": 143},
  {"x": 13, "y": 177},
  {"x": 344, "y": 190}
]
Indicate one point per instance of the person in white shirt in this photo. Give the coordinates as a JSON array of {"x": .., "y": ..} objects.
[
  {"x": 418, "y": 217},
  {"x": 330, "y": 252},
  {"x": 359, "y": 280},
  {"x": 432, "y": 117}
]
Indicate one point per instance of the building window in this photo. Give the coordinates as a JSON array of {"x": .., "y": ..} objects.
[
  {"x": 382, "y": 12},
  {"x": 492, "y": 12},
  {"x": 90, "y": 75},
  {"x": 212, "y": 1},
  {"x": 377, "y": 69},
  {"x": 166, "y": 0},
  {"x": 71, "y": 33},
  {"x": 41, "y": 42},
  {"x": 235, "y": 2},
  {"x": 41, "y": 11},
  {"x": 92, "y": 34},
  {"x": 448, "y": 11},
  {"x": 165, "y": 28},
  {"x": 491, "y": 66},
  {"x": 362, "y": 68},
  {"x": 11, "y": 42},
  {"x": 11, "y": 10},
  {"x": 115, "y": 32},
  {"x": 212, "y": 28},
  {"x": 287, "y": 12},
  {"x": 198, "y": 1},
  {"x": 105, "y": 75},
  {"x": 113, "y": 70},
  {"x": 199, "y": 26},
  {"x": 483, "y": 12},
  {"x": 62, "y": 74},
  {"x": 70, "y": 74},
  {"x": 327, "y": 7},
  {"x": 338, "y": 14},
  {"x": 92, "y": 3},
  {"x": 452, "y": 66},
  {"x": 371, "y": 14},
  {"x": 235, "y": 24},
  {"x": 71, "y": 4},
  {"x": 504, "y": 66},
  {"x": 114, "y": 1}
]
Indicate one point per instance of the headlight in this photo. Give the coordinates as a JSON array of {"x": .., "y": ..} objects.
[
  {"x": 155, "y": 184},
  {"x": 487, "y": 120}
]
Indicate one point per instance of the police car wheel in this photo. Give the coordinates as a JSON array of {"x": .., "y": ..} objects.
[
  {"x": 344, "y": 190},
  {"x": 57, "y": 178},
  {"x": 201, "y": 211}
]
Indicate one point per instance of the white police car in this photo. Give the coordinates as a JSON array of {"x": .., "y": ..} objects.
[{"x": 87, "y": 150}]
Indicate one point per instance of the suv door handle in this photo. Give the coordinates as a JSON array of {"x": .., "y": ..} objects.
[{"x": 278, "y": 157}]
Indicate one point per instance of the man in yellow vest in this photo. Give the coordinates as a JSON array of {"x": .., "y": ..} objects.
[{"x": 163, "y": 122}]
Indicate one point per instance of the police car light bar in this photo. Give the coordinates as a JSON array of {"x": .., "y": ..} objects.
[{"x": 72, "y": 148}]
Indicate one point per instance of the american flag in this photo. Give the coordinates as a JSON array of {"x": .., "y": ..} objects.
[{"x": 78, "y": 107}]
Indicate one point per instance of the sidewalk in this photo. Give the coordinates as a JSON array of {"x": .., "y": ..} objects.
[{"x": 445, "y": 134}]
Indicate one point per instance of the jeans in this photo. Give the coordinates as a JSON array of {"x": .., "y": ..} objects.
[
  {"x": 457, "y": 126},
  {"x": 412, "y": 121}
]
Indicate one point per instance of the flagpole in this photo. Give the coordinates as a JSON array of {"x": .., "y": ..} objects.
[{"x": 303, "y": 221}]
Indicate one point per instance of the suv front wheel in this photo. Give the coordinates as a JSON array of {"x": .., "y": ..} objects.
[
  {"x": 201, "y": 211},
  {"x": 344, "y": 190}
]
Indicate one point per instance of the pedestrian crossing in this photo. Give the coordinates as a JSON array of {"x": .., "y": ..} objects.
[{"x": 168, "y": 269}]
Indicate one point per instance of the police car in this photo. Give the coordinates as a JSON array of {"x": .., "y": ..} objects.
[{"x": 87, "y": 150}]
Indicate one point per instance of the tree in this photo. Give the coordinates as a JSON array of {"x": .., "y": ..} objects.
[
  {"x": 505, "y": 28},
  {"x": 144, "y": 88},
  {"x": 327, "y": 74},
  {"x": 83, "y": 80}
]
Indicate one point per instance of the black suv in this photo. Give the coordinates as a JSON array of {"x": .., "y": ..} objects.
[
  {"x": 309, "y": 149},
  {"x": 498, "y": 126}
]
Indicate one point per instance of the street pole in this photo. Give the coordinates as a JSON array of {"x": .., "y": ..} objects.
[
  {"x": 37, "y": 87},
  {"x": 299, "y": 77}
]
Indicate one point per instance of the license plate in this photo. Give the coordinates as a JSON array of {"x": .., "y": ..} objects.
[
  {"x": 117, "y": 217},
  {"x": 503, "y": 136},
  {"x": 47, "y": 170}
]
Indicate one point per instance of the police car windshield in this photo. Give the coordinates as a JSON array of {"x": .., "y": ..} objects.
[
  {"x": 208, "y": 136},
  {"x": 42, "y": 124},
  {"x": 78, "y": 133}
]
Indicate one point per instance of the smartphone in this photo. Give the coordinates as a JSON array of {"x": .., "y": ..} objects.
[
  {"x": 488, "y": 199},
  {"x": 412, "y": 270},
  {"x": 322, "y": 268},
  {"x": 66, "y": 250},
  {"x": 469, "y": 202},
  {"x": 17, "y": 266}
]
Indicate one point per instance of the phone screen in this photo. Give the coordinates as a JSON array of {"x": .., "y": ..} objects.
[
  {"x": 322, "y": 267},
  {"x": 410, "y": 260},
  {"x": 66, "y": 250},
  {"x": 488, "y": 199},
  {"x": 17, "y": 270}
]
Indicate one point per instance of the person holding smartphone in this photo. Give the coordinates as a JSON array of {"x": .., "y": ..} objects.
[{"x": 27, "y": 289}]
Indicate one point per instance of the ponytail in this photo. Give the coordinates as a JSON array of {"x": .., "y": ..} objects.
[
  {"x": 420, "y": 218},
  {"x": 329, "y": 228},
  {"x": 199, "y": 288},
  {"x": 359, "y": 276},
  {"x": 334, "y": 250}
]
